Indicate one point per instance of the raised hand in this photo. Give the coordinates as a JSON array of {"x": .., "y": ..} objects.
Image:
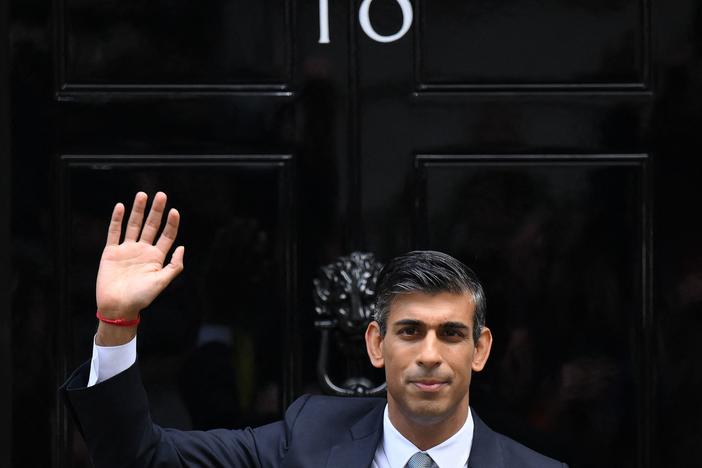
[{"x": 131, "y": 273}]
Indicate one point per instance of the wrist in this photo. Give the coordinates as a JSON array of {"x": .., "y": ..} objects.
[
  {"x": 118, "y": 313},
  {"x": 120, "y": 322},
  {"x": 113, "y": 335}
]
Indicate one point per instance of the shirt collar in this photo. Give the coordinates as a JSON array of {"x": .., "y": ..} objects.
[{"x": 451, "y": 453}]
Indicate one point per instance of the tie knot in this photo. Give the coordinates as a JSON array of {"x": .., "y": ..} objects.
[{"x": 420, "y": 460}]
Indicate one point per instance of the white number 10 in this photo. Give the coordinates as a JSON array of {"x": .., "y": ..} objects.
[{"x": 364, "y": 19}]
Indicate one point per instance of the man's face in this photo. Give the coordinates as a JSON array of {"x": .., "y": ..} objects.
[{"x": 428, "y": 353}]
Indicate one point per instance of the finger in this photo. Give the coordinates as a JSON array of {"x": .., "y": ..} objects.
[
  {"x": 174, "y": 268},
  {"x": 153, "y": 221},
  {"x": 177, "y": 259},
  {"x": 165, "y": 241},
  {"x": 136, "y": 217},
  {"x": 115, "y": 229}
]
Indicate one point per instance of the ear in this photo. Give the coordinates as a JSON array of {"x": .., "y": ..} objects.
[
  {"x": 482, "y": 350},
  {"x": 374, "y": 345}
]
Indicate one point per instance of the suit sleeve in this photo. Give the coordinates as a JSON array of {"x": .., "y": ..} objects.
[{"x": 114, "y": 419}]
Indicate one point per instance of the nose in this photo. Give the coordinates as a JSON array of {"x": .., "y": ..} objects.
[{"x": 429, "y": 355}]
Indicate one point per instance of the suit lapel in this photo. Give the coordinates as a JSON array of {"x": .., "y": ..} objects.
[
  {"x": 359, "y": 449},
  {"x": 485, "y": 451},
  {"x": 364, "y": 437}
]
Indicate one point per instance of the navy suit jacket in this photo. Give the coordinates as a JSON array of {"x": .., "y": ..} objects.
[{"x": 317, "y": 431}]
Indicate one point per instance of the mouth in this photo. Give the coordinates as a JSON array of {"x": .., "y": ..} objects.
[{"x": 429, "y": 385}]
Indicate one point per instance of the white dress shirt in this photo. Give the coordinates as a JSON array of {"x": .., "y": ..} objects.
[
  {"x": 108, "y": 361},
  {"x": 394, "y": 450}
]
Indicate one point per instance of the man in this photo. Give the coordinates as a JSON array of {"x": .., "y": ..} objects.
[{"x": 429, "y": 335}]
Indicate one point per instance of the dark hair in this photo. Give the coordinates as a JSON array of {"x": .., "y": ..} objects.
[{"x": 429, "y": 272}]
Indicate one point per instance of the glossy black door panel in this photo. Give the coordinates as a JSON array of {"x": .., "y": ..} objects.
[
  {"x": 214, "y": 348},
  {"x": 561, "y": 243},
  {"x": 225, "y": 44},
  {"x": 570, "y": 44}
]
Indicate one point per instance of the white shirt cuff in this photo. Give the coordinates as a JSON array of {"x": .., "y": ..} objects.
[{"x": 108, "y": 361}]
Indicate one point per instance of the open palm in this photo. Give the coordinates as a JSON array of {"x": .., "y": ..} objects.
[{"x": 131, "y": 273}]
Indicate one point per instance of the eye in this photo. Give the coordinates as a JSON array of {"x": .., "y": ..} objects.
[
  {"x": 408, "y": 331},
  {"x": 453, "y": 334}
]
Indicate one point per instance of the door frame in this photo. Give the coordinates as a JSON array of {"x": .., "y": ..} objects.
[{"x": 5, "y": 258}]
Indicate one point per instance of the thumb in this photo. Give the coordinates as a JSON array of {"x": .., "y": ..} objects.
[{"x": 174, "y": 268}]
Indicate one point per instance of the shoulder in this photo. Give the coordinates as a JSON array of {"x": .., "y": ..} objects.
[
  {"x": 338, "y": 408},
  {"x": 495, "y": 448},
  {"x": 516, "y": 454},
  {"x": 315, "y": 424}
]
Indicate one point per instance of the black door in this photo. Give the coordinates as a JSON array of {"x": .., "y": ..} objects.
[{"x": 550, "y": 145}]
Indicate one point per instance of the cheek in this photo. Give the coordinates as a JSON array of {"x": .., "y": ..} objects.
[
  {"x": 462, "y": 363},
  {"x": 396, "y": 363},
  {"x": 393, "y": 379}
]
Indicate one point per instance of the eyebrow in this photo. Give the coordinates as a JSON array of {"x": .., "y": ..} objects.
[
  {"x": 406, "y": 322},
  {"x": 417, "y": 323},
  {"x": 454, "y": 325}
]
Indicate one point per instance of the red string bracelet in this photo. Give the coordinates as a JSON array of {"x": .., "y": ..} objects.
[{"x": 119, "y": 322}]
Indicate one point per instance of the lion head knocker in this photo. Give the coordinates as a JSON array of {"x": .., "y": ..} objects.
[{"x": 344, "y": 296}]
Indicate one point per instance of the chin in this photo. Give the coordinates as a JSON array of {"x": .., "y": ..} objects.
[{"x": 429, "y": 412}]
